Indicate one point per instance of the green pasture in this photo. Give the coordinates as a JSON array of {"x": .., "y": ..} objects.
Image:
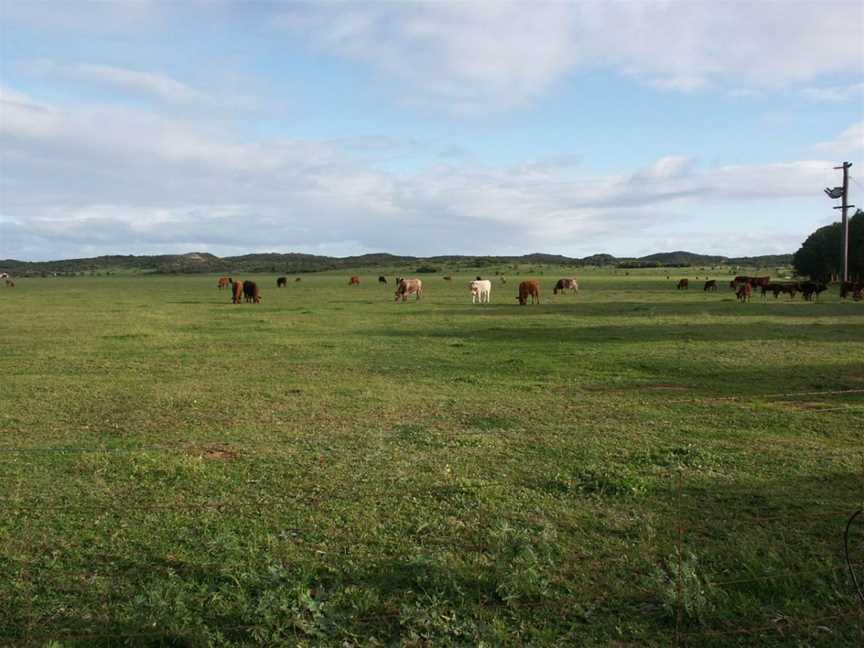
[{"x": 632, "y": 465}]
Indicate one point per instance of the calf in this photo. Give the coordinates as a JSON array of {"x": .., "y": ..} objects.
[
  {"x": 529, "y": 289},
  {"x": 480, "y": 291},
  {"x": 745, "y": 291},
  {"x": 382, "y": 280},
  {"x": 354, "y": 281},
  {"x": 224, "y": 282}
]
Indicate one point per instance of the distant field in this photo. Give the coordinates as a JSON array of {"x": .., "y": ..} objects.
[{"x": 633, "y": 465}]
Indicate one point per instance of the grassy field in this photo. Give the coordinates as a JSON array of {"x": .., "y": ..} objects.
[{"x": 634, "y": 465}]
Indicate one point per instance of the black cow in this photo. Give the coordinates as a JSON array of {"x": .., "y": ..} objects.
[
  {"x": 812, "y": 288},
  {"x": 251, "y": 292}
]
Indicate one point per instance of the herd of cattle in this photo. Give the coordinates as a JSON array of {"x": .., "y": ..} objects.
[
  {"x": 481, "y": 289},
  {"x": 744, "y": 287}
]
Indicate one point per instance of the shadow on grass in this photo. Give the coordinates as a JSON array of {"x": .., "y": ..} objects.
[
  {"x": 721, "y": 306},
  {"x": 739, "y": 333}
]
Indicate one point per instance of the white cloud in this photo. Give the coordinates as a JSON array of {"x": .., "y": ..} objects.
[
  {"x": 471, "y": 54},
  {"x": 836, "y": 93},
  {"x": 157, "y": 85},
  {"x": 850, "y": 141},
  {"x": 118, "y": 180}
]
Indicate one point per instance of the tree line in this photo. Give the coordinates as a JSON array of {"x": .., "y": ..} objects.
[{"x": 820, "y": 255}]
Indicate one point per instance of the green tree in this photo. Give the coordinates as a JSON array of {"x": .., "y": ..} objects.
[{"x": 819, "y": 256}]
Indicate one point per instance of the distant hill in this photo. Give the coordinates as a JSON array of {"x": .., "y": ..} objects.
[{"x": 203, "y": 262}]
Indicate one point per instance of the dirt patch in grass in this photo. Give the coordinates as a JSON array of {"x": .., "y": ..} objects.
[
  {"x": 801, "y": 406},
  {"x": 213, "y": 453},
  {"x": 620, "y": 389},
  {"x": 663, "y": 386}
]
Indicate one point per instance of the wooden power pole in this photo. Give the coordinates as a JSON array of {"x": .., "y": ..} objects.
[{"x": 844, "y": 225}]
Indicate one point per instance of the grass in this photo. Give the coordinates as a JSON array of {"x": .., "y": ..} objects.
[{"x": 631, "y": 465}]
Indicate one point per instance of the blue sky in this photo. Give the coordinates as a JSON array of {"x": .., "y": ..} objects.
[{"x": 424, "y": 128}]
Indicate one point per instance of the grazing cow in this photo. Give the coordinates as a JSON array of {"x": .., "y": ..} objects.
[
  {"x": 566, "y": 284},
  {"x": 251, "y": 292},
  {"x": 529, "y": 289},
  {"x": 812, "y": 288},
  {"x": 10, "y": 283},
  {"x": 745, "y": 291},
  {"x": 282, "y": 282},
  {"x": 757, "y": 282},
  {"x": 382, "y": 279},
  {"x": 224, "y": 282},
  {"x": 683, "y": 284},
  {"x": 480, "y": 291},
  {"x": 236, "y": 292},
  {"x": 447, "y": 278},
  {"x": 711, "y": 284},
  {"x": 407, "y": 287},
  {"x": 354, "y": 281},
  {"x": 740, "y": 279},
  {"x": 298, "y": 279}
]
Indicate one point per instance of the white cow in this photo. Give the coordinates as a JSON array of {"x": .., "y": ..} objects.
[{"x": 480, "y": 291}]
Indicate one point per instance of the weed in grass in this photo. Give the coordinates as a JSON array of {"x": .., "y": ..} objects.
[{"x": 681, "y": 586}]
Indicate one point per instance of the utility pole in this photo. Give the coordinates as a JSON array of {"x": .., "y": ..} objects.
[{"x": 843, "y": 192}]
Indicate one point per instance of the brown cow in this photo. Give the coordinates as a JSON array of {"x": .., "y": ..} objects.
[
  {"x": 236, "y": 292},
  {"x": 711, "y": 284},
  {"x": 407, "y": 287},
  {"x": 224, "y": 282},
  {"x": 745, "y": 291},
  {"x": 251, "y": 292},
  {"x": 683, "y": 284},
  {"x": 779, "y": 288},
  {"x": 740, "y": 279},
  {"x": 10, "y": 283},
  {"x": 757, "y": 282},
  {"x": 529, "y": 289},
  {"x": 566, "y": 284},
  {"x": 282, "y": 282},
  {"x": 354, "y": 281}
]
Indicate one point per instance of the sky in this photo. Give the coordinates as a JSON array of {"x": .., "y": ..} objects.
[{"x": 425, "y": 128}]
